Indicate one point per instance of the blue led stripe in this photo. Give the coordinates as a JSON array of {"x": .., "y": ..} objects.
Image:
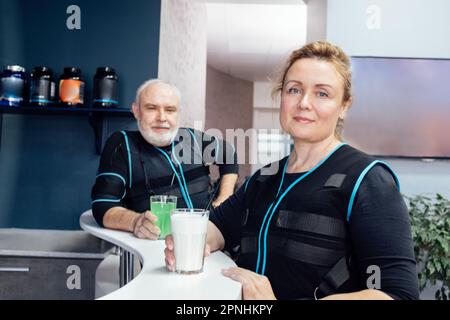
[
  {"x": 182, "y": 176},
  {"x": 248, "y": 180},
  {"x": 113, "y": 174},
  {"x": 107, "y": 101},
  {"x": 282, "y": 177},
  {"x": 130, "y": 172},
  {"x": 198, "y": 146},
  {"x": 360, "y": 179},
  {"x": 259, "y": 239},
  {"x": 195, "y": 140},
  {"x": 106, "y": 200},
  {"x": 265, "y": 217},
  {"x": 270, "y": 212},
  {"x": 183, "y": 192},
  {"x": 41, "y": 100}
]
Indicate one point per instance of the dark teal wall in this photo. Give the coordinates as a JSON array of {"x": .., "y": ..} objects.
[{"x": 48, "y": 162}]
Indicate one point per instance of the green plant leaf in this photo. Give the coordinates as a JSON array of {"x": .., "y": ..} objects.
[{"x": 430, "y": 228}]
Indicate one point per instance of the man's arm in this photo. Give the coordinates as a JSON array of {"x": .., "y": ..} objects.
[
  {"x": 120, "y": 218},
  {"x": 141, "y": 225},
  {"x": 226, "y": 188},
  {"x": 227, "y": 161},
  {"x": 111, "y": 180},
  {"x": 110, "y": 189}
]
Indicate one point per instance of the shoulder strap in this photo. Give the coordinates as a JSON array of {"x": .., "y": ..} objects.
[
  {"x": 340, "y": 273},
  {"x": 192, "y": 133},
  {"x": 130, "y": 168},
  {"x": 360, "y": 179},
  {"x": 335, "y": 278}
]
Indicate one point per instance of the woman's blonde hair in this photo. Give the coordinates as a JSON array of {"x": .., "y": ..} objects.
[{"x": 325, "y": 51}]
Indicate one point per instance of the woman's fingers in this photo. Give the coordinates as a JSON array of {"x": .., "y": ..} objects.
[
  {"x": 207, "y": 250},
  {"x": 237, "y": 274},
  {"x": 254, "y": 286},
  {"x": 170, "y": 259},
  {"x": 169, "y": 242},
  {"x": 168, "y": 253}
]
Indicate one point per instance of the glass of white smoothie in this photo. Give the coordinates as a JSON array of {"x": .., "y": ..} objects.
[{"x": 189, "y": 228}]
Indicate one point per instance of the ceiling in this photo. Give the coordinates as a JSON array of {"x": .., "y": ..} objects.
[{"x": 251, "y": 39}]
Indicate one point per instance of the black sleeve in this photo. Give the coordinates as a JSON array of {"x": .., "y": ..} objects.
[
  {"x": 228, "y": 218},
  {"x": 221, "y": 153},
  {"x": 381, "y": 236},
  {"x": 112, "y": 177}
]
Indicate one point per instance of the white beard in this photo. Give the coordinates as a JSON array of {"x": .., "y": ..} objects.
[{"x": 158, "y": 139}]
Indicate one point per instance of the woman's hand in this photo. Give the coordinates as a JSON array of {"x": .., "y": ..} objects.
[
  {"x": 254, "y": 286},
  {"x": 170, "y": 255},
  {"x": 144, "y": 227}
]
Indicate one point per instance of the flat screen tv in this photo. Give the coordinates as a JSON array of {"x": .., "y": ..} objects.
[{"x": 401, "y": 107}]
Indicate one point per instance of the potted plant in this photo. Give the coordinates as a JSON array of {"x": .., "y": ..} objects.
[{"x": 430, "y": 222}]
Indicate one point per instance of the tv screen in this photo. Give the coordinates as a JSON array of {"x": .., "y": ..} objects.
[{"x": 401, "y": 107}]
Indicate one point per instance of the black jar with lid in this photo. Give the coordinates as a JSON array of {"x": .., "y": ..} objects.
[
  {"x": 105, "y": 88},
  {"x": 13, "y": 86},
  {"x": 71, "y": 87},
  {"x": 43, "y": 87}
]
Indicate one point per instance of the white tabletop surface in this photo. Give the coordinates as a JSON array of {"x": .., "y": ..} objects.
[{"x": 154, "y": 282}]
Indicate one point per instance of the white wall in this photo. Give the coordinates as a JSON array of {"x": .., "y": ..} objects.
[
  {"x": 182, "y": 54},
  {"x": 422, "y": 177},
  {"x": 405, "y": 28},
  {"x": 316, "y": 28},
  {"x": 397, "y": 28},
  {"x": 416, "y": 176},
  {"x": 266, "y": 120},
  {"x": 262, "y": 95},
  {"x": 229, "y": 105}
]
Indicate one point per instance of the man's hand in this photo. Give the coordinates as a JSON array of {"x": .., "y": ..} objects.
[
  {"x": 170, "y": 255},
  {"x": 144, "y": 227},
  {"x": 254, "y": 286},
  {"x": 218, "y": 201},
  {"x": 226, "y": 188}
]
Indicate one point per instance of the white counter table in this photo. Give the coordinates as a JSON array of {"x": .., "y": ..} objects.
[{"x": 154, "y": 282}]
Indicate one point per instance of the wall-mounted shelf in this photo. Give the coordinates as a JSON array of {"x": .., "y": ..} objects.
[{"x": 97, "y": 117}]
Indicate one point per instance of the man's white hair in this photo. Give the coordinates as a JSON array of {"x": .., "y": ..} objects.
[{"x": 151, "y": 82}]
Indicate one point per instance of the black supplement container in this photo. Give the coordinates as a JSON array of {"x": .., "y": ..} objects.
[
  {"x": 105, "y": 88},
  {"x": 43, "y": 87},
  {"x": 71, "y": 87},
  {"x": 13, "y": 86}
]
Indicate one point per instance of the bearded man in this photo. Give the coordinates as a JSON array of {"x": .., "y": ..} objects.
[{"x": 159, "y": 159}]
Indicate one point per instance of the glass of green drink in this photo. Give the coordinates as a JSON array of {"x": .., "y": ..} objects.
[{"x": 161, "y": 206}]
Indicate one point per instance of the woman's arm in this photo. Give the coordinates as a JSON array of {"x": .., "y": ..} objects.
[
  {"x": 223, "y": 228},
  {"x": 226, "y": 220},
  {"x": 214, "y": 238},
  {"x": 381, "y": 236}
]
